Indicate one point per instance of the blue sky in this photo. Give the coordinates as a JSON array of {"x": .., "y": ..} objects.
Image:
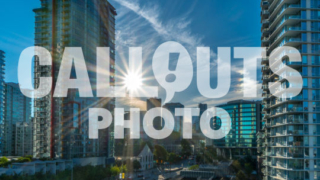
[{"x": 193, "y": 23}]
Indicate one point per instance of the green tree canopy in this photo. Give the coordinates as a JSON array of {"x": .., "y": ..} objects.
[
  {"x": 194, "y": 167},
  {"x": 123, "y": 168},
  {"x": 236, "y": 164},
  {"x": 186, "y": 148},
  {"x": 4, "y": 161},
  {"x": 172, "y": 158},
  {"x": 240, "y": 176},
  {"x": 115, "y": 170},
  {"x": 248, "y": 167},
  {"x": 136, "y": 165},
  {"x": 160, "y": 153}
]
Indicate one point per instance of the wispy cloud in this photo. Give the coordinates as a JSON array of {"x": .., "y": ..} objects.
[
  {"x": 175, "y": 29},
  {"x": 143, "y": 25}
]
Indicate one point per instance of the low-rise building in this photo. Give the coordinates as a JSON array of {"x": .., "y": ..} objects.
[
  {"x": 143, "y": 154},
  {"x": 51, "y": 166}
]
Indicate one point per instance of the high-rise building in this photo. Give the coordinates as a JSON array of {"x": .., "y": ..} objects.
[
  {"x": 245, "y": 122},
  {"x": 196, "y": 119},
  {"x": 23, "y": 138},
  {"x": 153, "y": 103},
  {"x": 2, "y": 93},
  {"x": 292, "y": 123},
  {"x": 178, "y": 120},
  {"x": 61, "y": 124},
  {"x": 17, "y": 113}
]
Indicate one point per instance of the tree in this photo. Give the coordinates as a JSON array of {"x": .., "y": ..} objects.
[
  {"x": 194, "y": 167},
  {"x": 186, "y": 148},
  {"x": 136, "y": 165},
  {"x": 4, "y": 162},
  {"x": 160, "y": 153},
  {"x": 248, "y": 167},
  {"x": 236, "y": 164},
  {"x": 240, "y": 176},
  {"x": 115, "y": 170},
  {"x": 149, "y": 143},
  {"x": 172, "y": 158},
  {"x": 123, "y": 168},
  {"x": 24, "y": 159},
  {"x": 199, "y": 158}
]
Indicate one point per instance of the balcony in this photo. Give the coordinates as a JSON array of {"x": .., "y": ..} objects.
[
  {"x": 295, "y": 155},
  {"x": 295, "y": 121},
  {"x": 264, "y": 4},
  {"x": 66, "y": 10},
  {"x": 265, "y": 23},
  {"x": 265, "y": 96},
  {"x": 265, "y": 78},
  {"x": 295, "y": 132},
  {"x": 295, "y": 109},
  {"x": 264, "y": 14},
  {"x": 316, "y": 109},
  {"x": 295, "y": 143},
  {"x": 66, "y": 22},
  {"x": 265, "y": 41},
  {"x": 265, "y": 68},
  {"x": 265, "y": 31},
  {"x": 264, "y": 60},
  {"x": 66, "y": 4}
]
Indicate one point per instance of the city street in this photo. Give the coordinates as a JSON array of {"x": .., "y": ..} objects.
[{"x": 162, "y": 173}]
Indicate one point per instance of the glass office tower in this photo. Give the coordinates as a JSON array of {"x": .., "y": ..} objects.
[
  {"x": 178, "y": 120},
  {"x": 17, "y": 112},
  {"x": 291, "y": 141},
  {"x": 2, "y": 93},
  {"x": 245, "y": 122},
  {"x": 61, "y": 124}
]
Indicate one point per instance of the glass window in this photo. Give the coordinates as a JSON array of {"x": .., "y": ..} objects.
[
  {"x": 303, "y": 26},
  {"x": 315, "y": 94},
  {"x": 304, "y": 71},
  {"x": 305, "y": 82},
  {"x": 315, "y": 37},
  {"x": 315, "y": 4},
  {"x": 315, "y": 26},
  {"x": 303, "y": 15},
  {"x": 315, "y": 60},
  {"x": 303, "y": 3},
  {"x": 304, "y": 36},
  {"x": 305, "y": 94},
  {"x": 304, "y": 48},
  {"x": 304, "y": 59},
  {"x": 315, "y": 15},
  {"x": 315, "y": 71}
]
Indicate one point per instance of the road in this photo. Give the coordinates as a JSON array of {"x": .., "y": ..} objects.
[{"x": 164, "y": 173}]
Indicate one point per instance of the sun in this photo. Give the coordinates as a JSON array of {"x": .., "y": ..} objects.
[{"x": 132, "y": 81}]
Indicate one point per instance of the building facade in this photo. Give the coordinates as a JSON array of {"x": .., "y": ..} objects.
[
  {"x": 291, "y": 141},
  {"x": 245, "y": 122},
  {"x": 17, "y": 112},
  {"x": 178, "y": 120},
  {"x": 23, "y": 140},
  {"x": 196, "y": 119},
  {"x": 2, "y": 93},
  {"x": 155, "y": 103},
  {"x": 61, "y": 124}
]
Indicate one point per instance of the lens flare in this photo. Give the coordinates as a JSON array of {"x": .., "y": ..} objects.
[{"x": 133, "y": 81}]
